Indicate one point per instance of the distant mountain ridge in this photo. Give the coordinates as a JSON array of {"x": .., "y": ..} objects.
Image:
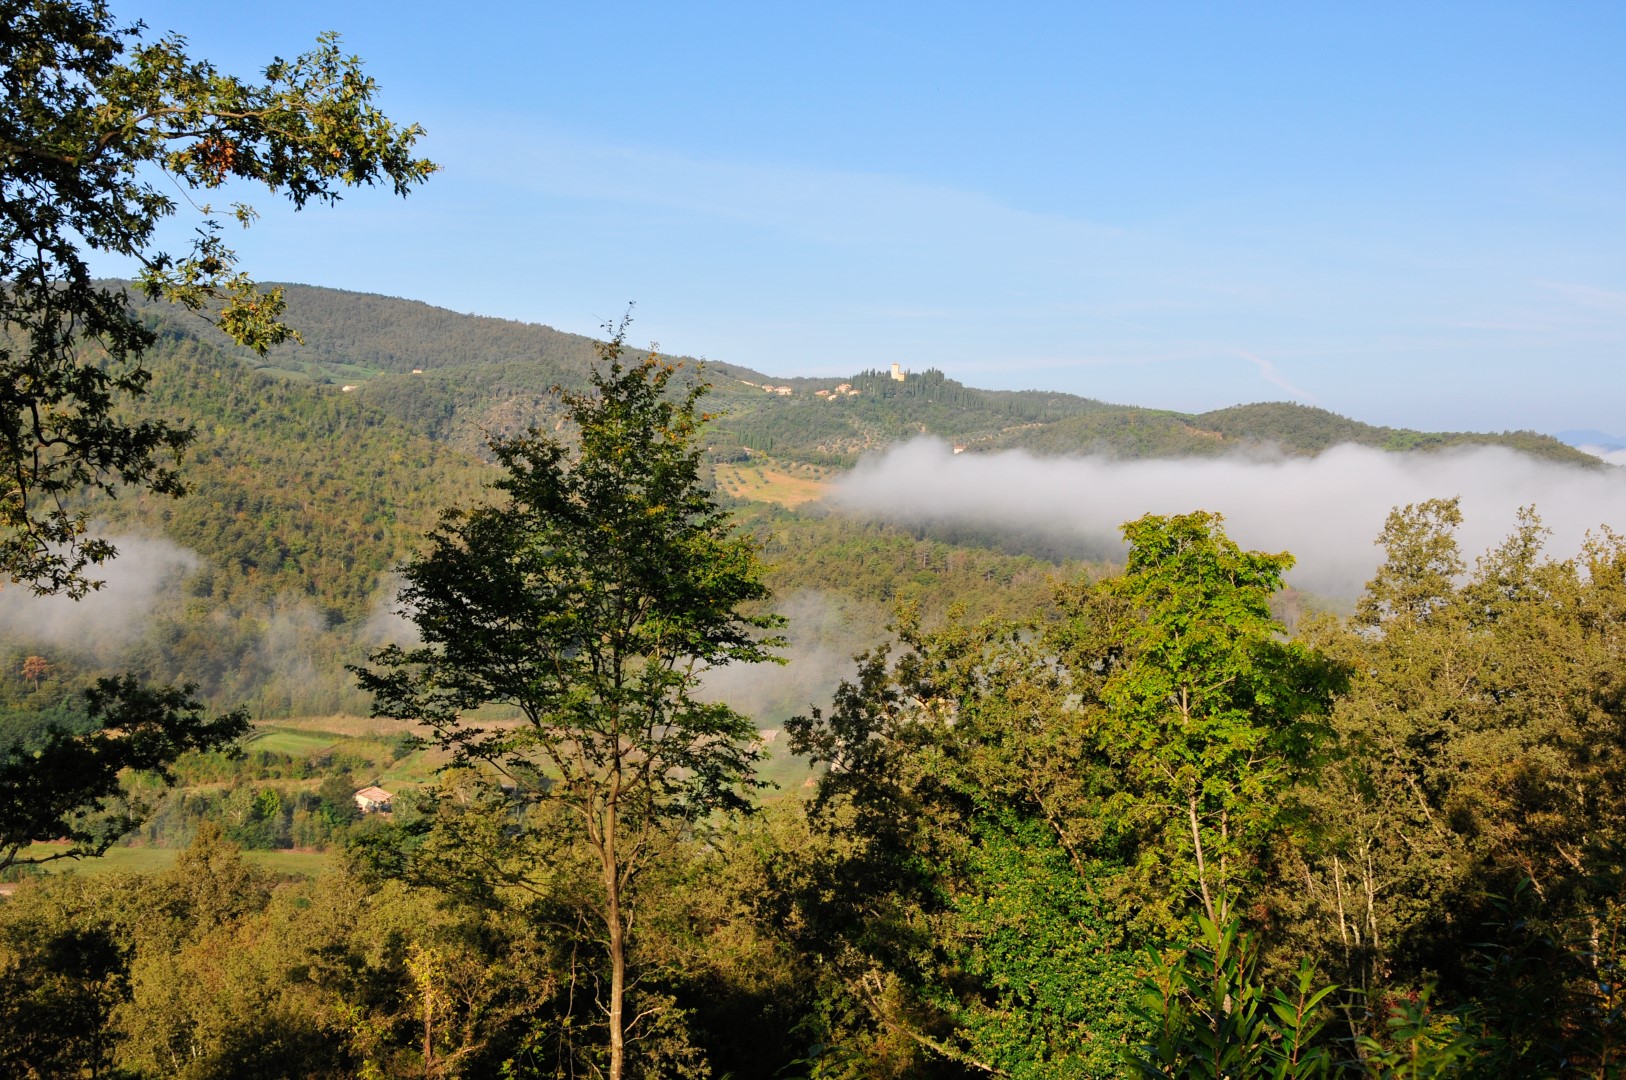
[
  {"x": 1600, "y": 440},
  {"x": 305, "y": 495},
  {"x": 1126, "y": 431},
  {"x": 456, "y": 377}
]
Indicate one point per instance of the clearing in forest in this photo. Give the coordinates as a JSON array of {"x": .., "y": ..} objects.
[{"x": 772, "y": 483}]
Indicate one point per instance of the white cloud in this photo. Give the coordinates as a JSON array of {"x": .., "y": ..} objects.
[
  {"x": 388, "y": 623},
  {"x": 1270, "y": 374},
  {"x": 821, "y": 644},
  {"x": 1326, "y": 510}
]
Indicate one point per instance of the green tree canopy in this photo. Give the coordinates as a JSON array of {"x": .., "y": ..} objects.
[
  {"x": 1199, "y": 703},
  {"x": 98, "y": 126},
  {"x": 590, "y": 601}
]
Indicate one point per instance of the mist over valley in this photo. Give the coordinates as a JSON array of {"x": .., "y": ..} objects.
[
  {"x": 321, "y": 466},
  {"x": 1117, "y": 566}
]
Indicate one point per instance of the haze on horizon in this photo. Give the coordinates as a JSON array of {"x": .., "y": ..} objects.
[{"x": 1412, "y": 217}]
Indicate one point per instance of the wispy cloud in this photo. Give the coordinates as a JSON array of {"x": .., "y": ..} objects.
[
  {"x": 1611, "y": 300},
  {"x": 843, "y": 208},
  {"x": 146, "y": 575},
  {"x": 1268, "y": 372}
]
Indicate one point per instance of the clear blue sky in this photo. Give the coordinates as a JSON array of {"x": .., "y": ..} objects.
[{"x": 1411, "y": 214}]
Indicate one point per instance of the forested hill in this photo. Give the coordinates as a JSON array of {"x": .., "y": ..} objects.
[
  {"x": 320, "y": 467},
  {"x": 1295, "y": 429},
  {"x": 455, "y": 377},
  {"x": 303, "y": 498}
]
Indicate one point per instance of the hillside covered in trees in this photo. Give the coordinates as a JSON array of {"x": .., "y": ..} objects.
[
  {"x": 1007, "y": 813},
  {"x": 319, "y": 467},
  {"x": 481, "y": 374}
]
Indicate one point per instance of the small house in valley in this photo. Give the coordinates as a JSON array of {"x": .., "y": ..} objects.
[{"x": 373, "y": 800}]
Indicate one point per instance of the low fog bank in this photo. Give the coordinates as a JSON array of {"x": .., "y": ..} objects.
[
  {"x": 138, "y": 581},
  {"x": 388, "y": 622},
  {"x": 1326, "y": 510},
  {"x": 1604, "y": 453},
  {"x": 822, "y": 644}
]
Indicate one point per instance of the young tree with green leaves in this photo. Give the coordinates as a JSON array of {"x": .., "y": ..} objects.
[
  {"x": 589, "y": 601},
  {"x": 1199, "y": 704},
  {"x": 103, "y": 133}
]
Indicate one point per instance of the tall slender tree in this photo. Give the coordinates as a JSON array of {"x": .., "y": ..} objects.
[{"x": 590, "y": 600}]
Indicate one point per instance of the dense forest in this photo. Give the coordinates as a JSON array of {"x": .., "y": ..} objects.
[
  {"x": 1006, "y": 813},
  {"x": 390, "y": 692},
  {"x": 1136, "y": 831}
]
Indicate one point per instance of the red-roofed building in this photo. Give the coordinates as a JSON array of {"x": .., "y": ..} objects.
[{"x": 370, "y": 800}]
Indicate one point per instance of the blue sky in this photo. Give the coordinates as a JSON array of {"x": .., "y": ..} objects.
[{"x": 1410, "y": 214}]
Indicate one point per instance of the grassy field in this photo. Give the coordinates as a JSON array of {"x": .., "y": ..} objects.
[
  {"x": 788, "y": 486},
  {"x": 418, "y": 768},
  {"x": 345, "y": 726},
  {"x": 364, "y": 737},
  {"x": 281, "y": 740},
  {"x": 290, "y": 863},
  {"x": 146, "y": 860}
]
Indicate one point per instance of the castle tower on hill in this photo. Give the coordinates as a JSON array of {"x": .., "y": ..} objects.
[{"x": 898, "y": 374}]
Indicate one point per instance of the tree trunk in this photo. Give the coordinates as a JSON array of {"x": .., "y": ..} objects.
[
  {"x": 618, "y": 946},
  {"x": 428, "y": 1030},
  {"x": 1202, "y": 866}
]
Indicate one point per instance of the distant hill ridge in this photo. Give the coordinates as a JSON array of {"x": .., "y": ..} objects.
[
  {"x": 305, "y": 495},
  {"x": 476, "y": 374},
  {"x": 1591, "y": 437}
]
